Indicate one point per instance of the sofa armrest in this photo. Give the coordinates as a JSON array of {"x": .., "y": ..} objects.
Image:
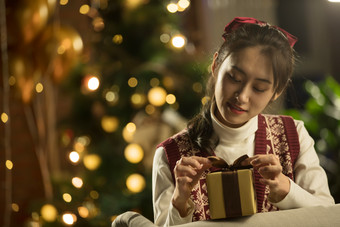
[{"x": 310, "y": 216}]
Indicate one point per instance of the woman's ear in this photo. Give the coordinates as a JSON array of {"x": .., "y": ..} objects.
[{"x": 213, "y": 65}]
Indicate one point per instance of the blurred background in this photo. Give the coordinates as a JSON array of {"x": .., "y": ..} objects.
[{"x": 90, "y": 87}]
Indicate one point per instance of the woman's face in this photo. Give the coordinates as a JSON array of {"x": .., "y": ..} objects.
[{"x": 244, "y": 86}]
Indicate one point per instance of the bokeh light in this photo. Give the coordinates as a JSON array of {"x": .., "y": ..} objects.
[
  {"x": 93, "y": 83},
  {"x": 83, "y": 212},
  {"x": 156, "y": 96},
  {"x": 67, "y": 197},
  {"x": 134, "y": 153},
  {"x": 132, "y": 82},
  {"x": 74, "y": 156},
  {"x": 69, "y": 218},
  {"x": 39, "y": 87},
  {"x": 129, "y": 131},
  {"x": 9, "y": 164},
  {"x": 15, "y": 207},
  {"x": 170, "y": 99},
  {"x": 172, "y": 7},
  {"x": 84, "y": 9},
  {"x": 178, "y": 41},
  {"x": 49, "y": 213},
  {"x": 135, "y": 183},
  {"x": 138, "y": 100},
  {"x": 117, "y": 39},
  {"x": 110, "y": 123},
  {"x": 92, "y": 161},
  {"x": 4, "y": 117},
  {"x": 77, "y": 182}
]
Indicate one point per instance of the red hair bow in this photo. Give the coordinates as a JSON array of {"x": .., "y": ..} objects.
[{"x": 239, "y": 21}]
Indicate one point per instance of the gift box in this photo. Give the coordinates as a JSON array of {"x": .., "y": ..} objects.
[{"x": 231, "y": 193}]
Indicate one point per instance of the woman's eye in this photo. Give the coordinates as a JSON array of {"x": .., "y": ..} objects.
[
  {"x": 259, "y": 89},
  {"x": 233, "y": 78}
]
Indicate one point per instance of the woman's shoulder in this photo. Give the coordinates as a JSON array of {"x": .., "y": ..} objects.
[{"x": 299, "y": 124}]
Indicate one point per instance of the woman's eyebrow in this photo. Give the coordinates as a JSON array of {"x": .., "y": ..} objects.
[{"x": 259, "y": 79}]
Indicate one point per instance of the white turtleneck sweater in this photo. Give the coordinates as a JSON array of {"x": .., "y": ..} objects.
[{"x": 309, "y": 189}]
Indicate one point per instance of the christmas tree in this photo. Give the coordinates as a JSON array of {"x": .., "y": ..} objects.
[{"x": 137, "y": 86}]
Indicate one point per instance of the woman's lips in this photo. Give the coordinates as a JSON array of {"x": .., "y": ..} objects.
[{"x": 236, "y": 109}]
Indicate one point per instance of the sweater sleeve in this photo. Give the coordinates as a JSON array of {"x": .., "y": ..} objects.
[
  {"x": 165, "y": 214},
  {"x": 311, "y": 185}
]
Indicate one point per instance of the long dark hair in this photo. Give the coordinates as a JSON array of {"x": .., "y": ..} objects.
[{"x": 273, "y": 44}]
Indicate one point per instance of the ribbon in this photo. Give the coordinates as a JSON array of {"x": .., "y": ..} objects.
[
  {"x": 240, "y": 21},
  {"x": 221, "y": 164}
]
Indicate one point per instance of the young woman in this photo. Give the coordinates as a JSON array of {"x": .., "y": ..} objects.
[{"x": 251, "y": 69}]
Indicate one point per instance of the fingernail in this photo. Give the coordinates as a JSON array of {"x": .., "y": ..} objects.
[{"x": 254, "y": 162}]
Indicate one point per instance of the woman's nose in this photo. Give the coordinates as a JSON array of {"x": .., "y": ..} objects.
[{"x": 243, "y": 95}]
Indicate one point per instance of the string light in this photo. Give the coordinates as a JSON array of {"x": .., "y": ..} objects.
[
  {"x": 183, "y": 4},
  {"x": 77, "y": 182},
  {"x": 165, "y": 38},
  {"x": 156, "y": 96},
  {"x": 63, "y": 2},
  {"x": 92, "y": 161},
  {"x": 117, "y": 39},
  {"x": 112, "y": 97},
  {"x": 15, "y": 207},
  {"x": 74, "y": 156},
  {"x": 172, "y": 7},
  {"x": 109, "y": 123},
  {"x": 69, "y": 218},
  {"x": 135, "y": 183},
  {"x": 197, "y": 87},
  {"x": 84, "y": 9},
  {"x": 4, "y": 117},
  {"x": 94, "y": 194},
  {"x": 9, "y": 164},
  {"x": 205, "y": 99},
  {"x": 39, "y": 87},
  {"x": 129, "y": 131},
  {"x": 134, "y": 153},
  {"x": 83, "y": 212},
  {"x": 132, "y": 82},
  {"x": 49, "y": 213},
  {"x": 150, "y": 109},
  {"x": 178, "y": 41},
  {"x": 67, "y": 197},
  {"x": 138, "y": 100},
  {"x": 170, "y": 99},
  {"x": 93, "y": 83}
]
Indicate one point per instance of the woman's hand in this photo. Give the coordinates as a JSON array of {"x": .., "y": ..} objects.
[
  {"x": 270, "y": 169},
  {"x": 188, "y": 171}
]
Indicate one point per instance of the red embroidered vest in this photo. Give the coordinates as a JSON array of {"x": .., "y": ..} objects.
[{"x": 275, "y": 134}]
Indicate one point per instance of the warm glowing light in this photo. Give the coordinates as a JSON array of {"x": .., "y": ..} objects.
[
  {"x": 94, "y": 194},
  {"x": 79, "y": 147},
  {"x": 77, "y": 182},
  {"x": 135, "y": 183},
  {"x": 83, "y": 212},
  {"x": 134, "y": 153},
  {"x": 92, "y": 161},
  {"x": 93, "y": 83},
  {"x": 334, "y": 0},
  {"x": 129, "y": 131},
  {"x": 15, "y": 207},
  {"x": 183, "y": 4},
  {"x": 49, "y": 213},
  {"x": 77, "y": 44},
  {"x": 69, "y": 218},
  {"x": 11, "y": 80},
  {"x": 170, "y": 99},
  {"x": 112, "y": 97},
  {"x": 109, "y": 123},
  {"x": 39, "y": 87},
  {"x": 156, "y": 96},
  {"x": 63, "y": 2},
  {"x": 132, "y": 82},
  {"x": 4, "y": 117},
  {"x": 165, "y": 38},
  {"x": 205, "y": 99},
  {"x": 117, "y": 39},
  {"x": 84, "y": 9},
  {"x": 168, "y": 82},
  {"x": 150, "y": 109},
  {"x": 154, "y": 82},
  {"x": 9, "y": 164},
  {"x": 74, "y": 156},
  {"x": 67, "y": 197},
  {"x": 98, "y": 24},
  {"x": 197, "y": 87},
  {"x": 172, "y": 8},
  {"x": 178, "y": 41},
  {"x": 138, "y": 99}
]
